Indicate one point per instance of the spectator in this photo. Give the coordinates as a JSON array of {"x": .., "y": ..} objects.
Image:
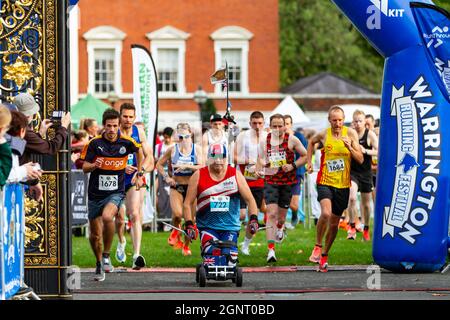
[
  {"x": 36, "y": 145},
  {"x": 81, "y": 138},
  {"x": 16, "y": 133},
  {"x": 90, "y": 126},
  {"x": 5, "y": 150}
]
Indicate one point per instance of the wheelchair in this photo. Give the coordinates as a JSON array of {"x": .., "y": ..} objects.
[{"x": 216, "y": 266}]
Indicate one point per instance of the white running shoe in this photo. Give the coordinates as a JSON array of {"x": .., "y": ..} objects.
[
  {"x": 289, "y": 226},
  {"x": 280, "y": 235},
  {"x": 107, "y": 265},
  {"x": 245, "y": 250},
  {"x": 271, "y": 256},
  {"x": 120, "y": 252}
]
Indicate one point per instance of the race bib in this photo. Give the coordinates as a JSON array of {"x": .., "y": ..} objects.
[
  {"x": 277, "y": 159},
  {"x": 250, "y": 173},
  {"x": 108, "y": 183},
  {"x": 219, "y": 203},
  {"x": 335, "y": 165}
]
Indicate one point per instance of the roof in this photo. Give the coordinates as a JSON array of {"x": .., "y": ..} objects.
[{"x": 326, "y": 83}]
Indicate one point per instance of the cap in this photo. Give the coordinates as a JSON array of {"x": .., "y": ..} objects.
[
  {"x": 215, "y": 117},
  {"x": 217, "y": 151},
  {"x": 26, "y": 104}
]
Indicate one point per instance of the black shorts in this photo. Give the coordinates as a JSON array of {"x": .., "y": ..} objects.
[
  {"x": 363, "y": 180},
  {"x": 339, "y": 198},
  {"x": 181, "y": 188},
  {"x": 280, "y": 194},
  {"x": 258, "y": 194}
]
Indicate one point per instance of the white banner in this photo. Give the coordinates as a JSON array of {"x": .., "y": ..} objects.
[
  {"x": 145, "y": 90},
  {"x": 145, "y": 99}
]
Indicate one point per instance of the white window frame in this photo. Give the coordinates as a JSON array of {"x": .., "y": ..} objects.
[
  {"x": 169, "y": 37},
  {"x": 233, "y": 37},
  {"x": 105, "y": 37}
]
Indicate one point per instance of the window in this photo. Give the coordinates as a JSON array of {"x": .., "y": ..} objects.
[
  {"x": 104, "y": 46},
  {"x": 168, "y": 48},
  {"x": 232, "y": 44},
  {"x": 167, "y": 70},
  {"x": 104, "y": 71},
  {"x": 233, "y": 58}
]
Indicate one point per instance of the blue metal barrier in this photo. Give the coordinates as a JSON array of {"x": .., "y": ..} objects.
[{"x": 12, "y": 234}]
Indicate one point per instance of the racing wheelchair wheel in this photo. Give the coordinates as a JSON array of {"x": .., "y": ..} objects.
[
  {"x": 202, "y": 276},
  {"x": 238, "y": 277},
  {"x": 197, "y": 270}
]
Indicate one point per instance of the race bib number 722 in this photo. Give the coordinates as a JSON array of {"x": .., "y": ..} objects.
[
  {"x": 108, "y": 183},
  {"x": 219, "y": 203}
]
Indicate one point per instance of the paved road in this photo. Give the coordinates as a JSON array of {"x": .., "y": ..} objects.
[{"x": 289, "y": 283}]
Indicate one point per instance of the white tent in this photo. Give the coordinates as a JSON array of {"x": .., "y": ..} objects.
[{"x": 289, "y": 106}]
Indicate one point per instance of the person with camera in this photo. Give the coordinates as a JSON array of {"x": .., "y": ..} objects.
[{"x": 36, "y": 144}]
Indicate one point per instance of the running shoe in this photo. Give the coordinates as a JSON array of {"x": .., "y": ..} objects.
[
  {"x": 186, "y": 251},
  {"x": 138, "y": 262},
  {"x": 289, "y": 226},
  {"x": 173, "y": 238},
  {"x": 99, "y": 273},
  {"x": 280, "y": 235},
  {"x": 315, "y": 255},
  {"x": 343, "y": 224},
  {"x": 360, "y": 227},
  {"x": 351, "y": 234},
  {"x": 323, "y": 264},
  {"x": 271, "y": 256},
  {"x": 178, "y": 245},
  {"x": 366, "y": 235},
  {"x": 245, "y": 250},
  {"x": 107, "y": 265},
  {"x": 120, "y": 251}
]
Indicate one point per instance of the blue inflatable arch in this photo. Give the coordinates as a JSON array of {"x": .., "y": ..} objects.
[{"x": 412, "y": 204}]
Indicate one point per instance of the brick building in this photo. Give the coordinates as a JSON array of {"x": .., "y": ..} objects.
[{"x": 188, "y": 40}]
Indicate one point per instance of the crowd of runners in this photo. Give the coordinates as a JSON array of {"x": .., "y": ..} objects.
[{"x": 215, "y": 181}]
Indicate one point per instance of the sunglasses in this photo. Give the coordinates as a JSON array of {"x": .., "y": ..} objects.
[{"x": 184, "y": 136}]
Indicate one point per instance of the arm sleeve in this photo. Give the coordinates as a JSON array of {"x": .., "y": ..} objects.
[
  {"x": 35, "y": 144},
  {"x": 88, "y": 153},
  {"x": 5, "y": 162}
]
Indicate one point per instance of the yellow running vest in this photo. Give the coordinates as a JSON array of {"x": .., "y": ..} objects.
[{"x": 335, "y": 162}]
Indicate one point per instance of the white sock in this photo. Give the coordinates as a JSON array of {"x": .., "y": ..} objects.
[{"x": 247, "y": 241}]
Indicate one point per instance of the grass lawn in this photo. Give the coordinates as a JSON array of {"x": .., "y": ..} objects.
[{"x": 294, "y": 251}]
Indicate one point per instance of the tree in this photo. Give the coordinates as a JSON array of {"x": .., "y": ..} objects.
[{"x": 315, "y": 37}]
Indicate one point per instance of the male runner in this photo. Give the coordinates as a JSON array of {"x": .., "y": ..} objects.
[
  {"x": 361, "y": 176},
  {"x": 105, "y": 157},
  {"x": 216, "y": 188},
  {"x": 340, "y": 146},
  {"x": 133, "y": 199},
  {"x": 277, "y": 154},
  {"x": 246, "y": 155},
  {"x": 216, "y": 134}
]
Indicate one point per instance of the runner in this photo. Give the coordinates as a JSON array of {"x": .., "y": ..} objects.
[
  {"x": 300, "y": 174},
  {"x": 340, "y": 145},
  {"x": 162, "y": 200},
  {"x": 217, "y": 188},
  {"x": 133, "y": 199},
  {"x": 183, "y": 159},
  {"x": 277, "y": 154},
  {"x": 216, "y": 134},
  {"x": 361, "y": 176},
  {"x": 246, "y": 155},
  {"x": 105, "y": 157}
]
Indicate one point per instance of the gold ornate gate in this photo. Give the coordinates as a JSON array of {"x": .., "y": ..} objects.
[{"x": 33, "y": 58}]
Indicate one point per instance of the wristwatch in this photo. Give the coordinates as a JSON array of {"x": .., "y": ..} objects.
[{"x": 141, "y": 173}]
